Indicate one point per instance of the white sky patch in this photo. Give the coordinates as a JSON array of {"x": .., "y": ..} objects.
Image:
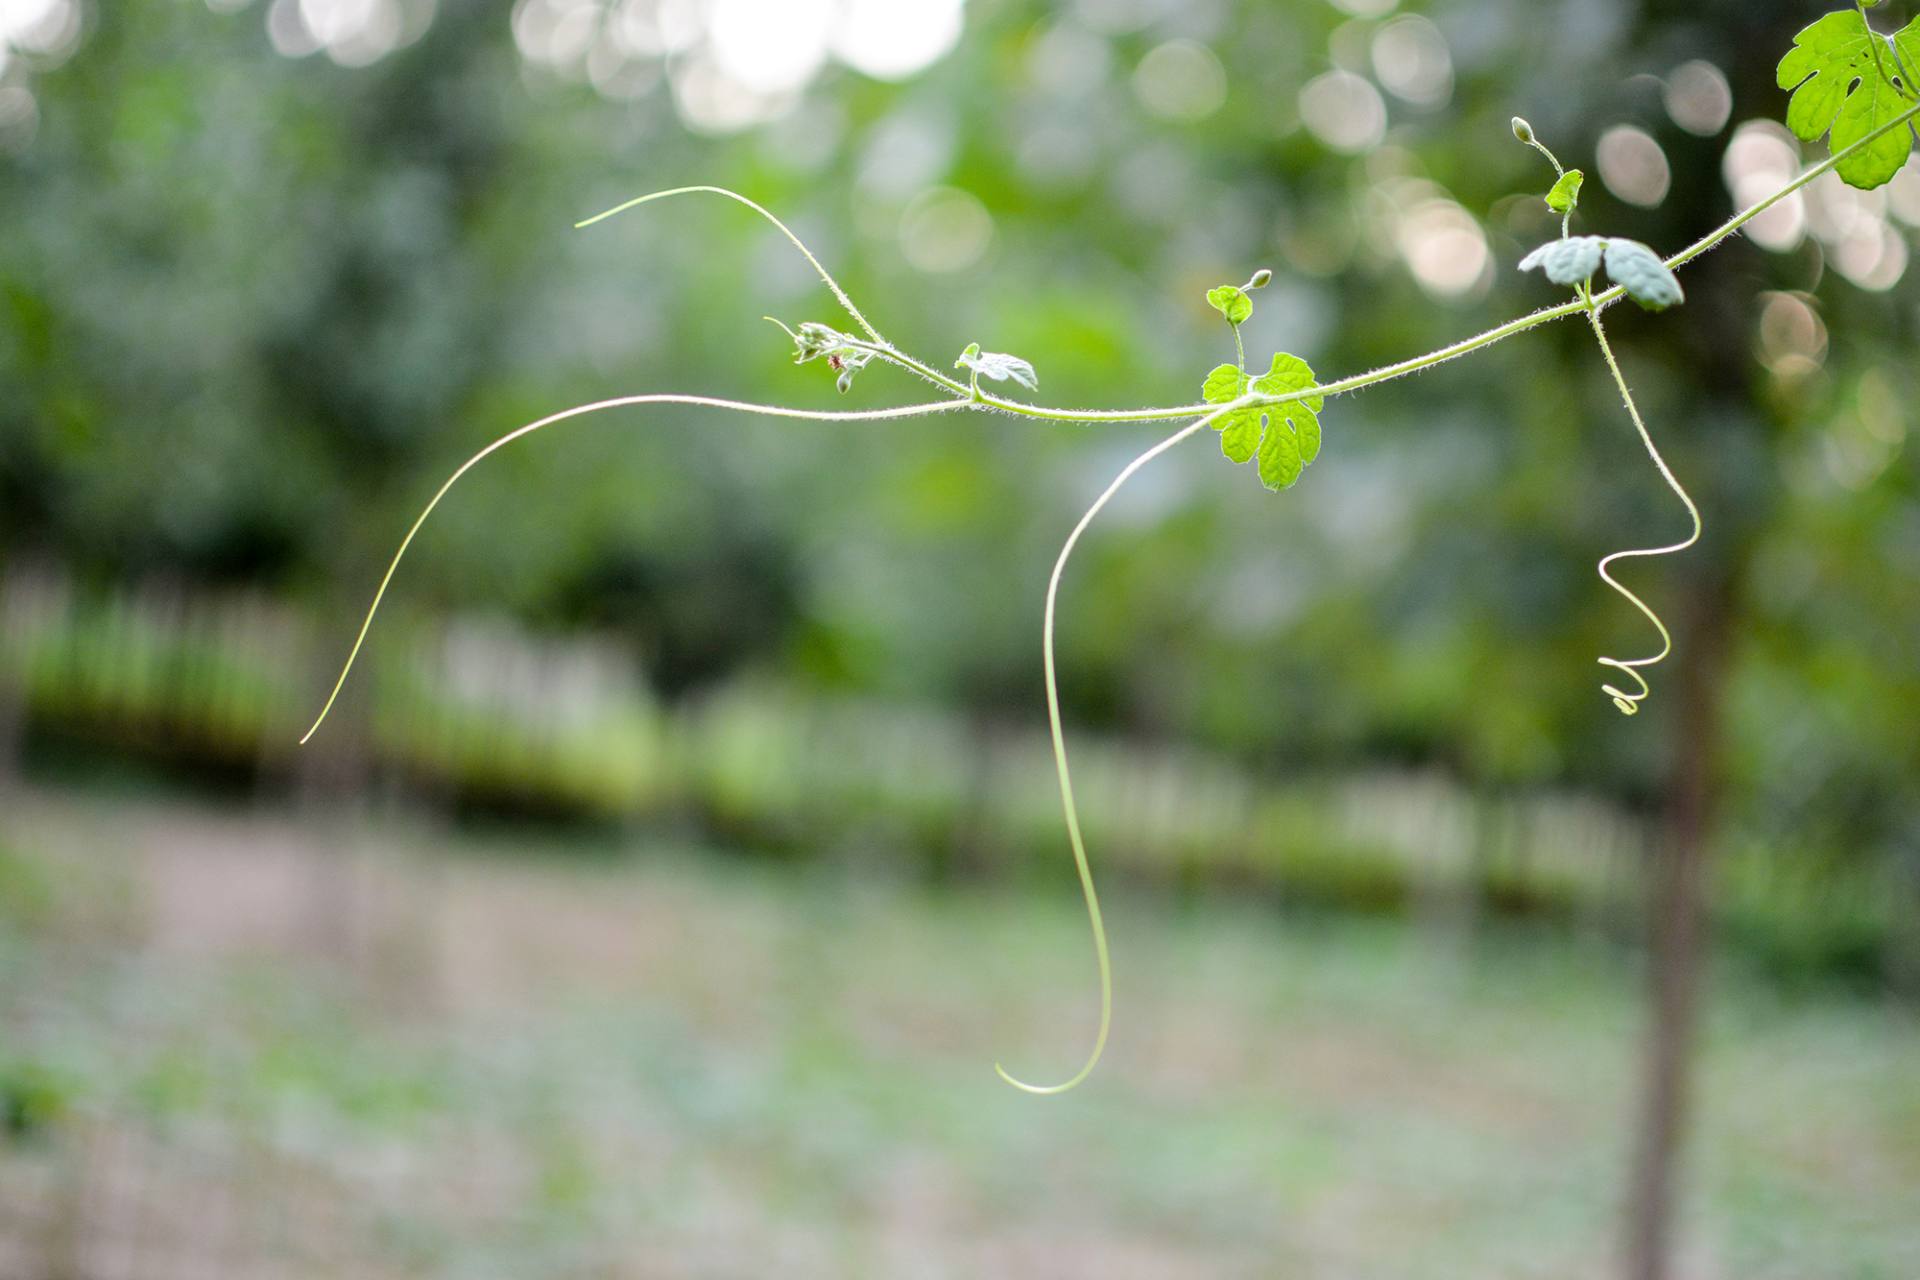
[
  {"x": 47, "y": 28},
  {"x": 354, "y": 33},
  {"x": 893, "y": 39},
  {"x": 770, "y": 46},
  {"x": 731, "y": 64}
]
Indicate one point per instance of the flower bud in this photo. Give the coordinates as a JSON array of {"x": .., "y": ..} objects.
[
  {"x": 1522, "y": 130},
  {"x": 1261, "y": 279}
]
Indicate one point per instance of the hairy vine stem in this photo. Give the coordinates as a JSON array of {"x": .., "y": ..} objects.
[{"x": 970, "y": 396}]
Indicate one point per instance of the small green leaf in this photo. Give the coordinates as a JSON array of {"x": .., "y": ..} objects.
[
  {"x": 1226, "y": 382},
  {"x": 1566, "y": 192},
  {"x": 1230, "y": 301},
  {"x": 997, "y": 365},
  {"x": 1280, "y": 461},
  {"x": 1639, "y": 270},
  {"x": 1840, "y": 71},
  {"x": 1240, "y": 433},
  {"x": 1569, "y": 260}
]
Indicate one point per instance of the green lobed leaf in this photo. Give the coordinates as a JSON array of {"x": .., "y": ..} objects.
[
  {"x": 1280, "y": 460},
  {"x": 1566, "y": 192},
  {"x": 1639, "y": 270},
  {"x": 1230, "y": 301},
  {"x": 1288, "y": 373},
  {"x": 1292, "y": 439},
  {"x": 1285, "y": 437},
  {"x": 997, "y": 365},
  {"x": 1841, "y": 73},
  {"x": 1226, "y": 382},
  {"x": 1240, "y": 433},
  {"x": 1306, "y": 428}
]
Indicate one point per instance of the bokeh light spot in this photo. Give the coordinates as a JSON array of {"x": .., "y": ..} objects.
[
  {"x": 1444, "y": 248},
  {"x": 1698, "y": 98},
  {"x": 1633, "y": 166},
  {"x": 1761, "y": 159},
  {"x": 945, "y": 230},
  {"x": 1181, "y": 80},
  {"x": 1344, "y": 111},
  {"x": 1412, "y": 60}
]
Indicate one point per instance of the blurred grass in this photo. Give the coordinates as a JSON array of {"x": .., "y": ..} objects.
[{"x": 384, "y": 1051}]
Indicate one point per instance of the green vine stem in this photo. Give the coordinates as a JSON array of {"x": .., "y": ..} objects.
[{"x": 964, "y": 396}]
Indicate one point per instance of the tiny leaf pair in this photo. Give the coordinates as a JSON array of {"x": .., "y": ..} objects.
[
  {"x": 1284, "y": 437},
  {"x": 1572, "y": 260}
]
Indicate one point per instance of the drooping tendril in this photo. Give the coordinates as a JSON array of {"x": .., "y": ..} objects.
[
  {"x": 618, "y": 402},
  {"x": 1068, "y": 806}
]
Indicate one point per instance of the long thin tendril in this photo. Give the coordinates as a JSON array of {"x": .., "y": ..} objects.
[
  {"x": 1067, "y": 804},
  {"x": 618, "y": 402},
  {"x": 826, "y": 276},
  {"x": 1629, "y": 703}
]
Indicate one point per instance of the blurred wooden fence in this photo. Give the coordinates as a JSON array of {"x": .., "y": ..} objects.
[{"x": 478, "y": 713}]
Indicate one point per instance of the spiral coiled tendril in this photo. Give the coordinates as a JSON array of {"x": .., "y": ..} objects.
[{"x": 1629, "y": 703}]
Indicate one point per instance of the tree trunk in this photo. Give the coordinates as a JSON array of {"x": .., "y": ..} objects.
[{"x": 1676, "y": 916}]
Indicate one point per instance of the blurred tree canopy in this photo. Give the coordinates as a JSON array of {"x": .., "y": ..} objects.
[{"x": 270, "y": 271}]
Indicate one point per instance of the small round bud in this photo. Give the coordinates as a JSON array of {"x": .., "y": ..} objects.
[
  {"x": 1261, "y": 279},
  {"x": 1522, "y": 130}
]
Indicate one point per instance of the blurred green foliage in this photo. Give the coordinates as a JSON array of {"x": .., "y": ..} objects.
[{"x": 256, "y": 307}]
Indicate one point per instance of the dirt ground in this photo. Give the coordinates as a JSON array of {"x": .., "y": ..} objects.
[{"x": 350, "y": 1045}]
